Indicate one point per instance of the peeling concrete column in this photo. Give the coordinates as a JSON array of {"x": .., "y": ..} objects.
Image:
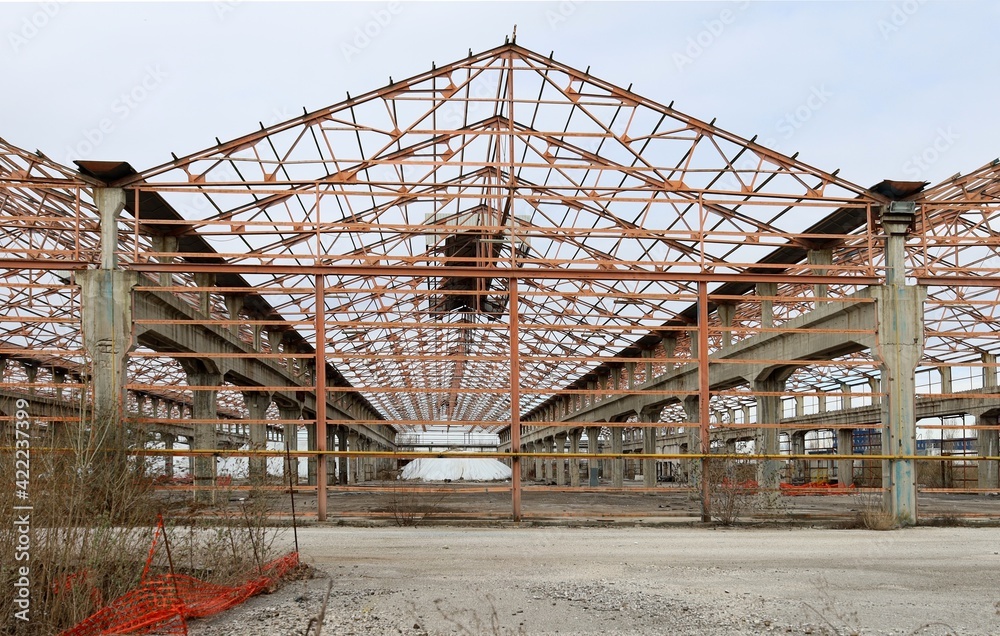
[
  {"x": 845, "y": 446},
  {"x": 290, "y": 436},
  {"x": 768, "y": 416},
  {"x": 257, "y": 404},
  {"x": 560, "y": 447},
  {"x": 649, "y": 416},
  {"x": 901, "y": 336},
  {"x": 107, "y": 335},
  {"x": 574, "y": 463},
  {"x": 206, "y": 437}
]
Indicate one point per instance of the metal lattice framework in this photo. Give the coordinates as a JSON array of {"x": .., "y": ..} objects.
[{"x": 484, "y": 241}]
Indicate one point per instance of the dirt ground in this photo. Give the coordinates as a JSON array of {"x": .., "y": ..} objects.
[
  {"x": 672, "y": 579},
  {"x": 390, "y": 502}
]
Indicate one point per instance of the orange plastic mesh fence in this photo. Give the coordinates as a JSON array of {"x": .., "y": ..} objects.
[{"x": 163, "y": 603}]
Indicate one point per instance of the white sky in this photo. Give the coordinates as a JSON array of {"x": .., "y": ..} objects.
[{"x": 869, "y": 86}]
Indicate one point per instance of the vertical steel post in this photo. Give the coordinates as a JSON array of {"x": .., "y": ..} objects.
[
  {"x": 320, "y": 397},
  {"x": 703, "y": 400},
  {"x": 515, "y": 402}
]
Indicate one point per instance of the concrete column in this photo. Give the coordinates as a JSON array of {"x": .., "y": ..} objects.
[
  {"x": 593, "y": 448},
  {"x": 989, "y": 446},
  {"x": 206, "y": 436},
  {"x": 352, "y": 446},
  {"x": 290, "y": 436},
  {"x": 536, "y": 447},
  {"x": 845, "y": 446},
  {"x": 617, "y": 463},
  {"x": 989, "y": 370},
  {"x": 107, "y": 335},
  {"x": 767, "y": 306},
  {"x": 649, "y": 416},
  {"x": 342, "y": 461},
  {"x": 31, "y": 371},
  {"x": 234, "y": 305},
  {"x": 574, "y": 464},
  {"x": 164, "y": 244},
  {"x": 110, "y": 203},
  {"x": 257, "y": 404},
  {"x": 820, "y": 257},
  {"x": 550, "y": 464},
  {"x": 798, "y": 443},
  {"x": 168, "y": 460},
  {"x": 727, "y": 313},
  {"x": 311, "y": 445},
  {"x": 692, "y": 431},
  {"x": 901, "y": 336},
  {"x": 204, "y": 279},
  {"x": 560, "y": 447},
  {"x": 766, "y": 443}
]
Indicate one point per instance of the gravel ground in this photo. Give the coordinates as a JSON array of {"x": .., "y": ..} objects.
[{"x": 678, "y": 580}]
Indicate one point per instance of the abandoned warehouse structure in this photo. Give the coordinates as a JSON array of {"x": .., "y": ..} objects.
[{"x": 609, "y": 292}]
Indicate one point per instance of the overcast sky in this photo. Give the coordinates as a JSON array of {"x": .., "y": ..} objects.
[{"x": 900, "y": 89}]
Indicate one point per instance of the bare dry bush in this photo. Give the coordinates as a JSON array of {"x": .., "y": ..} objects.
[
  {"x": 872, "y": 513},
  {"x": 93, "y": 515}
]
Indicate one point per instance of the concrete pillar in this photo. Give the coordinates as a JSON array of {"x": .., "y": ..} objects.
[
  {"x": 574, "y": 464},
  {"x": 311, "y": 445},
  {"x": 593, "y": 448},
  {"x": 798, "y": 443},
  {"x": 168, "y": 460},
  {"x": 845, "y": 446},
  {"x": 206, "y": 436},
  {"x": 990, "y": 370},
  {"x": 342, "y": 461},
  {"x": 164, "y": 244},
  {"x": 989, "y": 446},
  {"x": 767, "y": 306},
  {"x": 31, "y": 371},
  {"x": 107, "y": 335},
  {"x": 901, "y": 338},
  {"x": 766, "y": 443},
  {"x": 204, "y": 279},
  {"x": 727, "y": 314},
  {"x": 352, "y": 446},
  {"x": 692, "y": 414},
  {"x": 617, "y": 463},
  {"x": 649, "y": 416},
  {"x": 548, "y": 465},
  {"x": 536, "y": 447},
  {"x": 560, "y": 447},
  {"x": 234, "y": 305},
  {"x": 290, "y": 435},
  {"x": 820, "y": 257},
  {"x": 257, "y": 403},
  {"x": 110, "y": 203}
]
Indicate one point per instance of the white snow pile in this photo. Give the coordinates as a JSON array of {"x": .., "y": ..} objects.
[{"x": 441, "y": 469}]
